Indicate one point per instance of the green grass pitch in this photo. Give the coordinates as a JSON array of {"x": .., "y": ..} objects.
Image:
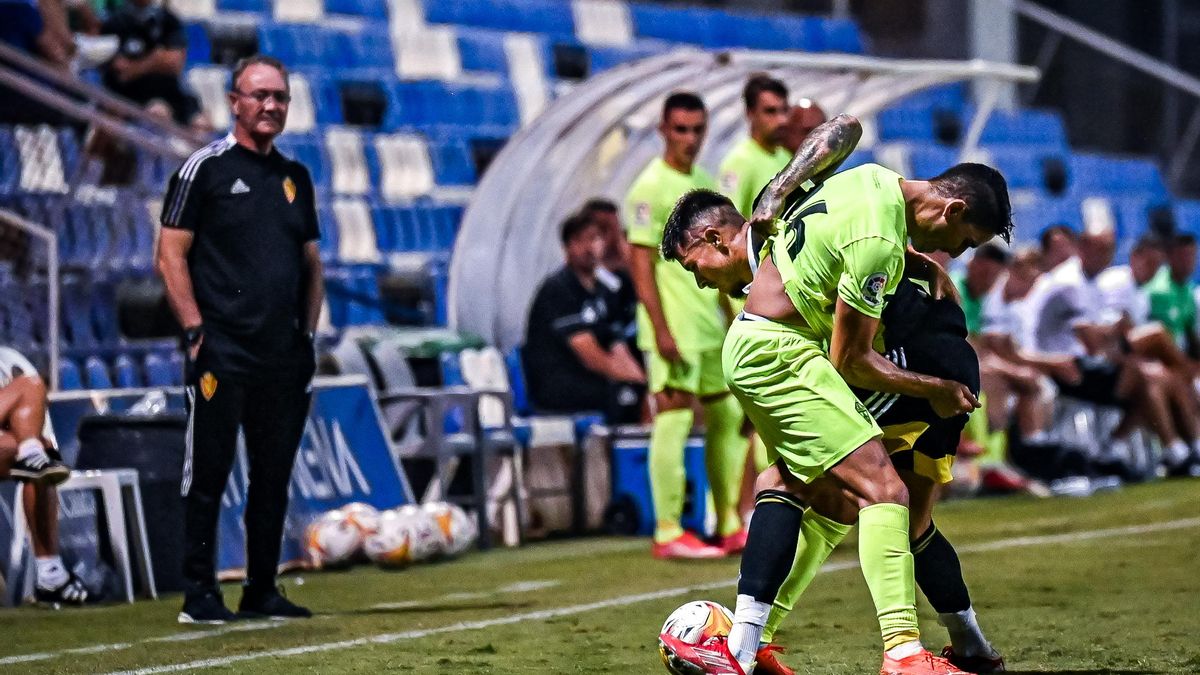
[{"x": 1108, "y": 584}]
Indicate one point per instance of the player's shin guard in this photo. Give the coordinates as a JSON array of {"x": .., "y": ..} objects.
[
  {"x": 818, "y": 537},
  {"x": 725, "y": 457},
  {"x": 770, "y": 550},
  {"x": 887, "y": 566},
  {"x": 668, "y": 437}
]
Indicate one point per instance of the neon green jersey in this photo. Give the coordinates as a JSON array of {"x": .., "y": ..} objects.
[
  {"x": 692, "y": 313},
  {"x": 845, "y": 240},
  {"x": 747, "y": 169}
]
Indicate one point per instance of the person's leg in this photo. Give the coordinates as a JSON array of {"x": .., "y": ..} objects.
[
  {"x": 725, "y": 456},
  {"x": 215, "y": 405},
  {"x": 1144, "y": 384},
  {"x": 8, "y": 452},
  {"x": 23, "y": 412},
  {"x": 939, "y": 572},
  {"x": 274, "y": 423},
  {"x": 669, "y": 432}
]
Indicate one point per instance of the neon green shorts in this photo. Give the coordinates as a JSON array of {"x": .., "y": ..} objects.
[
  {"x": 697, "y": 373},
  {"x": 799, "y": 404}
]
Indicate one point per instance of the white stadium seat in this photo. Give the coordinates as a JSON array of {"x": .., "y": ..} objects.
[
  {"x": 345, "y": 149},
  {"x": 41, "y": 160},
  {"x": 211, "y": 84},
  {"x": 602, "y": 22},
  {"x": 527, "y": 72},
  {"x": 429, "y": 54},
  {"x": 356, "y": 231},
  {"x": 302, "y": 114},
  {"x": 406, "y": 170},
  {"x": 299, "y": 11},
  {"x": 405, "y": 17},
  {"x": 194, "y": 9}
]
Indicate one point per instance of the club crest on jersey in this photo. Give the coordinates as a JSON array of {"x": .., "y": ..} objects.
[
  {"x": 289, "y": 189},
  {"x": 208, "y": 385},
  {"x": 641, "y": 214},
  {"x": 872, "y": 290}
]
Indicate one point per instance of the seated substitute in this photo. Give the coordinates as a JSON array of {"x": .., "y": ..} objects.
[
  {"x": 28, "y": 454},
  {"x": 575, "y": 355}
]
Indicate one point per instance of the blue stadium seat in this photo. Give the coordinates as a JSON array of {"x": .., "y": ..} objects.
[
  {"x": 530, "y": 16},
  {"x": 309, "y": 151},
  {"x": 158, "y": 371},
  {"x": 903, "y": 123},
  {"x": 261, "y": 6},
  {"x": 10, "y": 162},
  {"x": 929, "y": 160},
  {"x": 1187, "y": 216},
  {"x": 1022, "y": 165},
  {"x": 329, "y": 234},
  {"x": 68, "y": 375},
  {"x": 199, "y": 47},
  {"x": 601, "y": 59},
  {"x": 838, "y": 35},
  {"x": 96, "y": 373},
  {"x": 764, "y": 32},
  {"x": 482, "y": 50},
  {"x": 76, "y": 313},
  {"x": 1030, "y": 218},
  {"x": 104, "y": 313},
  {"x": 369, "y": 48},
  {"x": 1021, "y": 126},
  {"x": 372, "y": 9},
  {"x": 125, "y": 373},
  {"x": 452, "y": 162},
  {"x": 690, "y": 25},
  {"x": 1105, "y": 174}
]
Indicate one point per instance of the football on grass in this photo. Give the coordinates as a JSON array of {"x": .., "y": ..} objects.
[{"x": 698, "y": 621}]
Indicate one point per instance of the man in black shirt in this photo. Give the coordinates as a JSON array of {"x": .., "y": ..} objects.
[
  {"x": 575, "y": 355},
  {"x": 239, "y": 254},
  {"x": 150, "y": 57}
]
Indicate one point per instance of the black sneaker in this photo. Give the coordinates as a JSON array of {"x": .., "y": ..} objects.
[
  {"x": 40, "y": 468},
  {"x": 208, "y": 608},
  {"x": 71, "y": 592},
  {"x": 269, "y": 604}
]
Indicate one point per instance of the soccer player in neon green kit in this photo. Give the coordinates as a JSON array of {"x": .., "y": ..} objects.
[
  {"x": 755, "y": 160},
  {"x": 681, "y": 328},
  {"x": 809, "y": 328}
]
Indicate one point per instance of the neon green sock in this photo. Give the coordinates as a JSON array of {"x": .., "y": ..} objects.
[
  {"x": 668, "y": 437},
  {"x": 818, "y": 537},
  {"x": 725, "y": 459},
  {"x": 887, "y": 565}
]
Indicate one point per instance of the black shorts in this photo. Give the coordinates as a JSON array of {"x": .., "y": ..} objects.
[
  {"x": 927, "y": 337},
  {"x": 1097, "y": 384}
]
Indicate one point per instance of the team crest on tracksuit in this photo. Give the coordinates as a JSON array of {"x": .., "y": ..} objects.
[{"x": 289, "y": 189}]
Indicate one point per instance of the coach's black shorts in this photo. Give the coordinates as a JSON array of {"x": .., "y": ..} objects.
[
  {"x": 928, "y": 337},
  {"x": 1098, "y": 381}
]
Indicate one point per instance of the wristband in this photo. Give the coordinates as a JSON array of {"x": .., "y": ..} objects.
[{"x": 192, "y": 335}]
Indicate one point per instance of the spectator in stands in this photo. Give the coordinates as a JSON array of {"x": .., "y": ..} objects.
[
  {"x": 575, "y": 355},
  {"x": 1171, "y": 292},
  {"x": 28, "y": 454},
  {"x": 1059, "y": 243},
  {"x": 1123, "y": 287},
  {"x": 149, "y": 62},
  {"x": 755, "y": 160},
  {"x": 983, "y": 270},
  {"x": 1067, "y": 318},
  {"x": 803, "y": 117}
]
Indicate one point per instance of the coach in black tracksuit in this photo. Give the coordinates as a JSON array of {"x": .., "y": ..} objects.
[{"x": 239, "y": 255}]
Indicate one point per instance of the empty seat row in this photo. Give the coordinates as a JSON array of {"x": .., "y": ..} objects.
[
  {"x": 103, "y": 236},
  {"x": 154, "y": 369},
  {"x": 354, "y": 231},
  {"x": 921, "y": 120}
]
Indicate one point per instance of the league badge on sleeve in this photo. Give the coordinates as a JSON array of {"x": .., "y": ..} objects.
[
  {"x": 289, "y": 189},
  {"x": 872, "y": 290}
]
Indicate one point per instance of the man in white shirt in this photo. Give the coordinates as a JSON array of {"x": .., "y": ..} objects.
[
  {"x": 1121, "y": 285},
  {"x": 1066, "y": 316},
  {"x": 28, "y": 454}
]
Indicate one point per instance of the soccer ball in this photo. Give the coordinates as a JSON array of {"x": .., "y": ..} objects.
[
  {"x": 331, "y": 540},
  {"x": 388, "y": 545},
  {"x": 457, "y": 528},
  {"x": 363, "y": 516},
  {"x": 698, "y": 621},
  {"x": 424, "y": 536}
]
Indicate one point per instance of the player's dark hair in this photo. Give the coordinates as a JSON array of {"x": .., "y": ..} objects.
[
  {"x": 573, "y": 226},
  {"x": 993, "y": 252},
  {"x": 257, "y": 59},
  {"x": 1149, "y": 240},
  {"x": 1049, "y": 232},
  {"x": 686, "y": 214},
  {"x": 757, "y": 84},
  {"x": 682, "y": 100},
  {"x": 985, "y": 192},
  {"x": 1184, "y": 239},
  {"x": 598, "y": 205}
]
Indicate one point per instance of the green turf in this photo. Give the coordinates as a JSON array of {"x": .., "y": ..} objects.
[{"x": 1113, "y": 603}]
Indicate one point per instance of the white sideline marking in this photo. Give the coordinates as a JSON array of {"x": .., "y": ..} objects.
[
  {"x": 118, "y": 646},
  {"x": 518, "y": 587},
  {"x": 540, "y": 615}
]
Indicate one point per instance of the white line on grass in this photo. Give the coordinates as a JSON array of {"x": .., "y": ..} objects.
[
  {"x": 118, "y": 646},
  {"x": 518, "y": 587},
  {"x": 541, "y": 615}
]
